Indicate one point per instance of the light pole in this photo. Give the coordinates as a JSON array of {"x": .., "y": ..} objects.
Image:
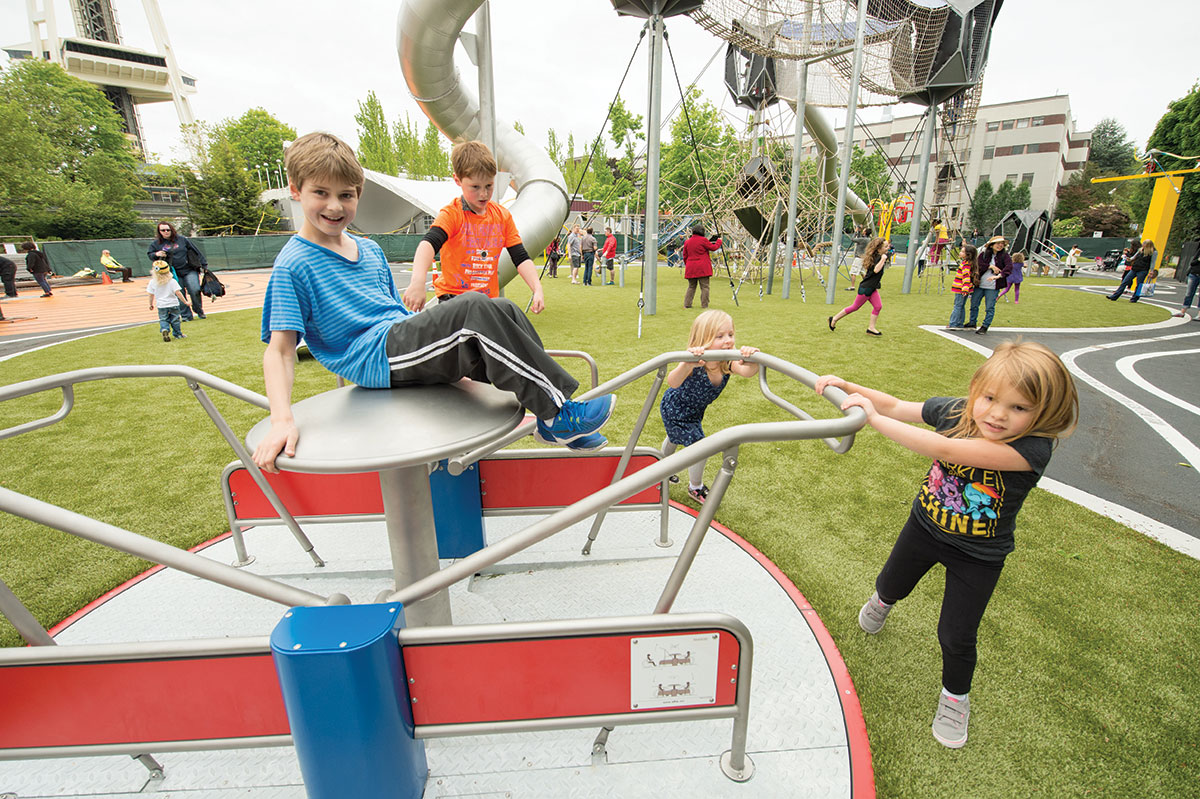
[
  {"x": 267, "y": 169},
  {"x": 279, "y": 171}
]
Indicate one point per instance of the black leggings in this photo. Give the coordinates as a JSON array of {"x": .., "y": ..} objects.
[{"x": 969, "y": 586}]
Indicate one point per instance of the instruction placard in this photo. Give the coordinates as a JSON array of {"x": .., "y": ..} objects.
[{"x": 667, "y": 670}]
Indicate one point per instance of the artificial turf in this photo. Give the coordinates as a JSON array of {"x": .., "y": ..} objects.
[{"x": 1087, "y": 683}]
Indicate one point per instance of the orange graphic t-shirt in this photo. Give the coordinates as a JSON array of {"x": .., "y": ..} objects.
[{"x": 471, "y": 254}]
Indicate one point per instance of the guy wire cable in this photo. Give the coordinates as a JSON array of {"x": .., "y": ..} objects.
[
  {"x": 699, "y": 163},
  {"x": 592, "y": 146}
]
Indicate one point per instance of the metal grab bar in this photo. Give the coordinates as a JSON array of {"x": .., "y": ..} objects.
[
  {"x": 67, "y": 380},
  {"x": 196, "y": 380},
  {"x": 727, "y": 439}
]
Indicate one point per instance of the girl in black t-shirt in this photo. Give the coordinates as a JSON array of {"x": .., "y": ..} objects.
[
  {"x": 874, "y": 261},
  {"x": 989, "y": 450}
]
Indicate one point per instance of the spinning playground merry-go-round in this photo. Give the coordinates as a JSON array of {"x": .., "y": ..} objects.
[{"x": 412, "y": 607}]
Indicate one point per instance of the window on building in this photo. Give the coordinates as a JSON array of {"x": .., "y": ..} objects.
[
  {"x": 1039, "y": 121},
  {"x": 1007, "y": 124},
  {"x": 993, "y": 126},
  {"x": 1017, "y": 149},
  {"x": 989, "y": 152},
  {"x": 954, "y": 212},
  {"x": 1033, "y": 148},
  {"x": 1011, "y": 178},
  {"x": 1023, "y": 123},
  {"x": 1027, "y": 179}
]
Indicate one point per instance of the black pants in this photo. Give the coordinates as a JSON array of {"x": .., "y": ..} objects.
[
  {"x": 488, "y": 340},
  {"x": 969, "y": 586},
  {"x": 9, "y": 277}
]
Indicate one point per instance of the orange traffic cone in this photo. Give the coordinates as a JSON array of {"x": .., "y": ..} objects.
[{"x": 105, "y": 279}]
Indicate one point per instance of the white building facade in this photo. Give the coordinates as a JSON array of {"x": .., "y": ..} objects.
[{"x": 1028, "y": 141}]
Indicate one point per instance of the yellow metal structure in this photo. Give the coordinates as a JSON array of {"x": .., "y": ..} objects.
[{"x": 1160, "y": 215}]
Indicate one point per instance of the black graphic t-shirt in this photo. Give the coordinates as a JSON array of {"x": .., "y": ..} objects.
[{"x": 975, "y": 509}]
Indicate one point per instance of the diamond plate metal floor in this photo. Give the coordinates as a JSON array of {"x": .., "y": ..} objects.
[{"x": 798, "y": 736}]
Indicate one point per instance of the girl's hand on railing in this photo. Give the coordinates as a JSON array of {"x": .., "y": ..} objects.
[{"x": 825, "y": 381}]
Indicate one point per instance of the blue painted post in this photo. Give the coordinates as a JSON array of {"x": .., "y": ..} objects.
[{"x": 347, "y": 701}]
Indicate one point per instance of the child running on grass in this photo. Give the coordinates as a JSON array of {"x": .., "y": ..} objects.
[
  {"x": 962, "y": 286},
  {"x": 875, "y": 260},
  {"x": 167, "y": 295},
  {"x": 988, "y": 450},
  {"x": 693, "y": 387}
]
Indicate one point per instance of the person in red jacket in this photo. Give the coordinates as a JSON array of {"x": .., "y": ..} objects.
[
  {"x": 697, "y": 265},
  {"x": 608, "y": 252}
]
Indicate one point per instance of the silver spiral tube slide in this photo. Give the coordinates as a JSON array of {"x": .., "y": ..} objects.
[
  {"x": 818, "y": 127},
  {"x": 426, "y": 34}
]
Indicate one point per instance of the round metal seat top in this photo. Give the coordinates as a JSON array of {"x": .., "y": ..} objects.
[{"x": 355, "y": 429}]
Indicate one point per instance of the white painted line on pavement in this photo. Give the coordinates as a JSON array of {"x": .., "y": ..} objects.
[
  {"x": 1125, "y": 367},
  {"x": 1163, "y": 533}
]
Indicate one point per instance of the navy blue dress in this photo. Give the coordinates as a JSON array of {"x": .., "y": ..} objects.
[{"x": 683, "y": 408}]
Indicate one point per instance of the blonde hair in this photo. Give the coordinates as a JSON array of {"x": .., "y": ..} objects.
[
  {"x": 322, "y": 155},
  {"x": 1037, "y": 373},
  {"x": 472, "y": 159},
  {"x": 157, "y": 277},
  {"x": 704, "y": 332},
  {"x": 1018, "y": 258}
]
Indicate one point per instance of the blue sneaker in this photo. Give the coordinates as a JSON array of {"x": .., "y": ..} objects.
[
  {"x": 576, "y": 419},
  {"x": 588, "y": 443}
]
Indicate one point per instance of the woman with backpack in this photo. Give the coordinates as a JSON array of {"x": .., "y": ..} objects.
[{"x": 185, "y": 259}]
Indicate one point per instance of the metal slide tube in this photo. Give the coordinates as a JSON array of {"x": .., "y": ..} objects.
[
  {"x": 426, "y": 34},
  {"x": 116, "y": 538},
  {"x": 26, "y": 625},
  {"x": 691, "y": 547}
]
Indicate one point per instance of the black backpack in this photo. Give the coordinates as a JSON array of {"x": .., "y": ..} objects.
[{"x": 210, "y": 286}]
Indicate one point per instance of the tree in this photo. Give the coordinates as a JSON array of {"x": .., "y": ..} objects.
[
  {"x": 1070, "y": 227},
  {"x": 434, "y": 161},
  {"x": 979, "y": 215},
  {"x": 1112, "y": 151},
  {"x": 1107, "y": 218},
  {"x": 70, "y": 171},
  {"x": 1008, "y": 197},
  {"x": 257, "y": 138},
  {"x": 703, "y": 150},
  {"x": 408, "y": 145},
  {"x": 223, "y": 196},
  {"x": 1178, "y": 131},
  {"x": 376, "y": 148}
]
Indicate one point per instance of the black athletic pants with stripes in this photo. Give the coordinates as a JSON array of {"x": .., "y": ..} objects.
[
  {"x": 969, "y": 586},
  {"x": 488, "y": 340}
]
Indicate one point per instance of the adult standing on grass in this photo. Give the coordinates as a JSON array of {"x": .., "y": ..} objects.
[
  {"x": 174, "y": 248},
  {"x": 991, "y": 271},
  {"x": 697, "y": 264},
  {"x": 1139, "y": 268},
  {"x": 38, "y": 265},
  {"x": 989, "y": 449},
  {"x": 575, "y": 252},
  {"x": 874, "y": 262},
  {"x": 1072, "y": 262},
  {"x": 609, "y": 252},
  {"x": 587, "y": 247}
]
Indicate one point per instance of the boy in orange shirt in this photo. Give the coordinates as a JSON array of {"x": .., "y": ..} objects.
[{"x": 470, "y": 233}]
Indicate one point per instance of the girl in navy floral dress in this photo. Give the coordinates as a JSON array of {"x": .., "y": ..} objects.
[{"x": 692, "y": 388}]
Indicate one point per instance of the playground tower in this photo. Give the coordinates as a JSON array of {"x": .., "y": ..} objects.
[{"x": 127, "y": 76}]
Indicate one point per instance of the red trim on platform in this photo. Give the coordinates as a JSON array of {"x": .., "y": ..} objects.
[
  {"x": 862, "y": 774},
  {"x": 131, "y": 701},
  {"x": 125, "y": 586},
  {"x": 557, "y": 482},
  {"x": 542, "y": 678},
  {"x": 306, "y": 494}
]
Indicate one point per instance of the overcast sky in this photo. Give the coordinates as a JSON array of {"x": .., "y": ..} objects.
[{"x": 558, "y": 64}]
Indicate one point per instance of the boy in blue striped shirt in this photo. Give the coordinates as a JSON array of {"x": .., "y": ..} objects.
[{"x": 336, "y": 291}]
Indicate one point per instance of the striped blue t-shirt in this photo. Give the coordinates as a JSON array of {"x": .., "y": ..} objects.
[{"x": 343, "y": 308}]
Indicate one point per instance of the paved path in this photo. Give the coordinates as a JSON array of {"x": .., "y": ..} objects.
[{"x": 33, "y": 321}]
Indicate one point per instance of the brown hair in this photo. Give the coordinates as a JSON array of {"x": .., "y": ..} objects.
[
  {"x": 158, "y": 236},
  {"x": 322, "y": 155},
  {"x": 969, "y": 254},
  {"x": 1038, "y": 374},
  {"x": 472, "y": 159},
  {"x": 874, "y": 252},
  {"x": 1018, "y": 257},
  {"x": 704, "y": 331},
  {"x": 27, "y": 246}
]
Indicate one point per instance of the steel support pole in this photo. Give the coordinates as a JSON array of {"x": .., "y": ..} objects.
[
  {"x": 914, "y": 234},
  {"x": 773, "y": 254},
  {"x": 408, "y": 512},
  {"x": 487, "y": 90},
  {"x": 835, "y": 250},
  {"x": 653, "y": 121},
  {"x": 794, "y": 190},
  {"x": 19, "y": 616}
]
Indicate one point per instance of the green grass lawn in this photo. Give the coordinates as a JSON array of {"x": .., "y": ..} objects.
[{"x": 1087, "y": 683}]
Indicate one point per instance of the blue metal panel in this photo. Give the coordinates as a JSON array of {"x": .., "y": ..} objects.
[
  {"x": 347, "y": 701},
  {"x": 457, "y": 511}
]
